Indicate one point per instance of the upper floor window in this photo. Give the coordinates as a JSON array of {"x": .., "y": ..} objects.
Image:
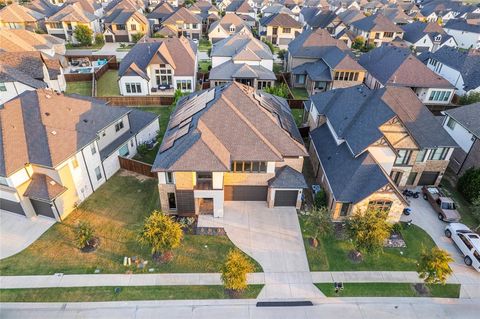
[
  {"x": 388, "y": 34},
  {"x": 3, "y": 87},
  {"x": 346, "y": 76},
  {"x": 118, "y": 125},
  {"x": 377, "y": 35},
  {"x": 439, "y": 96},
  {"x": 98, "y": 173},
  {"x": 121, "y": 27},
  {"x": 403, "y": 157},
  {"x": 287, "y": 30},
  {"x": 451, "y": 123},
  {"x": 133, "y": 27},
  {"x": 93, "y": 149},
  {"x": 438, "y": 154},
  {"x": 56, "y": 25},
  {"x": 249, "y": 167},
  {"x": 194, "y": 26},
  {"x": 380, "y": 205},
  {"x": 421, "y": 156},
  {"x": 169, "y": 178}
]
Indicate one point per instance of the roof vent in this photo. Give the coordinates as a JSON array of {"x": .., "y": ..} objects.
[
  {"x": 47, "y": 114},
  {"x": 52, "y": 183},
  {"x": 54, "y": 132},
  {"x": 85, "y": 120}
]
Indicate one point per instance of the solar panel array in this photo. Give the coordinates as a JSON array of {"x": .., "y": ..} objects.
[{"x": 182, "y": 119}]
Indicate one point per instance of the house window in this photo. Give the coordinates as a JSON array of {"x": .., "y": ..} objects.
[
  {"x": 118, "y": 126},
  {"x": 396, "y": 177},
  {"x": 133, "y": 87},
  {"x": 421, "y": 156},
  {"x": 344, "y": 209},
  {"x": 403, "y": 157},
  {"x": 377, "y": 35},
  {"x": 411, "y": 178},
  {"x": 388, "y": 34},
  {"x": 123, "y": 151},
  {"x": 249, "y": 167},
  {"x": 74, "y": 162},
  {"x": 3, "y": 87},
  {"x": 93, "y": 149},
  {"x": 184, "y": 85},
  {"x": 451, "y": 123},
  {"x": 164, "y": 75},
  {"x": 287, "y": 30},
  {"x": 438, "y": 154},
  {"x": 133, "y": 27},
  {"x": 263, "y": 84},
  {"x": 380, "y": 205},
  {"x": 98, "y": 173},
  {"x": 120, "y": 27},
  {"x": 56, "y": 25},
  {"x": 300, "y": 78},
  {"x": 195, "y": 26},
  {"x": 439, "y": 96},
  {"x": 172, "y": 201},
  {"x": 169, "y": 178}
]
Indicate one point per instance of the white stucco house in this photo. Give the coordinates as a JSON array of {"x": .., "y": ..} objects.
[{"x": 466, "y": 34}]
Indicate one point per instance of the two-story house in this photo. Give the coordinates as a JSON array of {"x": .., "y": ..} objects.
[
  {"x": 123, "y": 21},
  {"x": 391, "y": 65},
  {"x": 463, "y": 125},
  {"x": 279, "y": 29},
  {"x": 318, "y": 62},
  {"x": 229, "y": 24},
  {"x": 242, "y": 58},
  {"x": 58, "y": 149},
  {"x": 243, "y": 9},
  {"x": 466, "y": 34},
  {"x": 159, "y": 67},
  {"x": 427, "y": 36},
  {"x": 207, "y": 11},
  {"x": 16, "y": 16},
  {"x": 63, "y": 23},
  {"x": 156, "y": 16},
  {"x": 14, "y": 82},
  {"x": 367, "y": 144},
  {"x": 460, "y": 68},
  {"x": 376, "y": 29},
  {"x": 229, "y": 143},
  {"x": 182, "y": 23}
]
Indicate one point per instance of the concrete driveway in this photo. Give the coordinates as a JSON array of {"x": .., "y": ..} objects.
[
  {"x": 271, "y": 236},
  {"x": 424, "y": 216},
  {"x": 18, "y": 232}
]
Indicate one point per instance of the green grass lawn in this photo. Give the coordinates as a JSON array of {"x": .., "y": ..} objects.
[
  {"x": 332, "y": 254},
  {"x": 204, "y": 45},
  {"x": 203, "y": 65},
  {"x": 81, "y": 88},
  {"x": 116, "y": 211},
  {"x": 388, "y": 290},
  {"x": 164, "y": 113},
  {"x": 463, "y": 207},
  {"x": 277, "y": 68},
  {"x": 300, "y": 93},
  {"x": 297, "y": 115},
  {"x": 96, "y": 294},
  {"x": 107, "y": 85}
]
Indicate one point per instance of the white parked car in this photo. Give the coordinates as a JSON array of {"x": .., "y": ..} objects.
[{"x": 467, "y": 241}]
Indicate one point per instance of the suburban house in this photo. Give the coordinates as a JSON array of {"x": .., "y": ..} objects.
[
  {"x": 390, "y": 65},
  {"x": 463, "y": 125},
  {"x": 376, "y": 29},
  {"x": 35, "y": 65},
  {"x": 229, "y": 143},
  {"x": 23, "y": 40},
  {"x": 460, "y": 68},
  {"x": 242, "y": 58},
  {"x": 14, "y": 82},
  {"x": 466, "y": 34},
  {"x": 276, "y": 8},
  {"x": 319, "y": 63},
  {"x": 229, "y": 24},
  {"x": 208, "y": 12},
  {"x": 367, "y": 144},
  {"x": 63, "y": 23},
  {"x": 124, "y": 21},
  {"x": 58, "y": 149},
  {"x": 397, "y": 15},
  {"x": 182, "y": 23},
  {"x": 45, "y": 7},
  {"x": 279, "y": 29},
  {"x": 243, "y": 9},
  {"x": 162, "y": 11},
  {"x": 327, "y": 20},
  {"x": 427, "y": 36},
  {"x": 159, "y": 67},
  {"x": 15, "y": 16}
]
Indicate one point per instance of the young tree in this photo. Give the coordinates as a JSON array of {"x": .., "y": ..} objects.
[
  {"x": 235, "y": 270},
  {"x": 318, "y": 224},
  {"x": 83, "y": 34},
  {"x": 99, "y": 39},
  {"x": 358, "y": 43},
  {"x": 368, "y": 230},
  {"x": 84, "y": 234},
  {"x": 137, "y": 36},
  {"x": 469, "y": 184},
  {"x": 162, "y": 234},
  {"x": 433, "y": 266}
]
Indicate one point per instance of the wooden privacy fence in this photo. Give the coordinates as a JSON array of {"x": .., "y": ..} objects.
[
  {"x": 137, "y": 100},
  {"x": 136, "y": 166},
  {"x": 78, "y": 77}
]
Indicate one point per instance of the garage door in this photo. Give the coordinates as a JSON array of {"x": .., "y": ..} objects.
[
  {"x": 11, "y": 206},
  {"x": 42, "y": 208},
  {"x": 245, "y": 193},
  {"x": 428, "y": 178},
  {"x": 285, "y": 198},
  {"x": 109, "y": 38},
  {"x": 122, "y": 38}
]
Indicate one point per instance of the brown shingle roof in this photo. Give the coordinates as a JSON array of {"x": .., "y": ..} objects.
[
  {"x": 281, "y": 20},
  {"x": 17, "y": 13},
  {"x": 182, "y": 14}
]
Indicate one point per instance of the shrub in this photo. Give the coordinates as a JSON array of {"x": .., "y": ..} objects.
[
  {"x": 397, "y": 228},
  {"x": 83, "y": 34},
  {"x": 433, "y": 266},
  {"x": 469, "y": 184},
  {"x": 84, "y": 233},
  {"x": 235, "y": 270},
  {"x": 177, "y": 96},
  {"x": 320, "y": 198},
  {"x": 280, "y": 90},
  {"x": 161, "y": 233},
  {"x": 142, "y": 149},
  {"x": 358, "y": 43},
  {"x": 472, "y": 97},
  {"x": 136, "y": 37},
  {"x": 99, "y": 39},
  {"x": 270, "y": 45}
]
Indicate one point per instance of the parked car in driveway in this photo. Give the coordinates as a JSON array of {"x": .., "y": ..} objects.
[
  {"x": 467, "y": 241},
  {"x": 443, "y": 205}
]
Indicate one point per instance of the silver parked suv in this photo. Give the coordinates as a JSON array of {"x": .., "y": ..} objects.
[{"x": 467, "y": 241}]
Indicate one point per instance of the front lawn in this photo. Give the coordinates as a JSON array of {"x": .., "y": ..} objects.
[
  {"x": 116, "y": 212},
  {"x": 96, "y": 294},
  {"x": 332, "y": 254},
  {"x": 164, "y": 113},
  {"x": 203, "y": 65},
  {"x": 107, "y": 85},
  {"x": 81, "y": 88},
  {"x": 372, "y": 289},
  {"x": 300, "y": 93}
]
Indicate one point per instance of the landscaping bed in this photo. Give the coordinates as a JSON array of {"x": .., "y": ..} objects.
[
  {"x": 96, "y": 294},
  {"x": 332, "y": 253},
  {"x": 116, "y": 212},
  {"x": 389, "y": 290}
]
